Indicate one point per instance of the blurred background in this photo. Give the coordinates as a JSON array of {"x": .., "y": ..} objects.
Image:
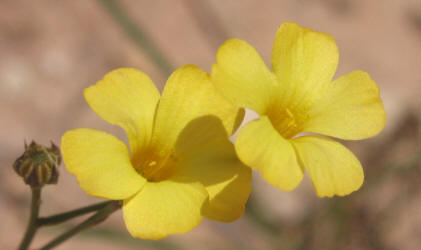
[{"x": 51, "y": 50}]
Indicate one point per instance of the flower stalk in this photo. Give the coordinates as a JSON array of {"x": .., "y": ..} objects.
[
  {"x": 94, "y": 220},
  {"x": 63, "y": 217}
]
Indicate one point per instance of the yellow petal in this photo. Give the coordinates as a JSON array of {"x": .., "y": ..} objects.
[
  {"x": 128, "y": 98},
  {"x": 241, "y": 76},
  {"x": 350, "y": 109},
  {"x": 333, "y": 169},
  {"x": 208, "y": 156},
  {"x": 164, "y": 208},
  {"x": 304, "y": 61},
  {"x": 189, "y": 94},
  {"x": 261, "y": 147},
  {"x": 101, "y": 164}
]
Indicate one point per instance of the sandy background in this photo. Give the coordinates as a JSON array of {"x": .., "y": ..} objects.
[{"x": 51, "y": 50}]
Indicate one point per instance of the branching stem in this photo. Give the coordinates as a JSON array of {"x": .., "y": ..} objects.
[
  {"x": 95, "y": 219},
  {"x": 62, "y": 217}
]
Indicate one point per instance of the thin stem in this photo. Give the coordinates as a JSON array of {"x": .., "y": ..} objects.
[
  {"x": 33, "y": 219},
  {"x": 95, "y": 219},
  {"x": 140, "y": 38},
  {"x": 62, "y": 217}
]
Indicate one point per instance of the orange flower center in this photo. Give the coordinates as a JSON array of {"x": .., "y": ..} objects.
[{"x": 155, "y": 166}]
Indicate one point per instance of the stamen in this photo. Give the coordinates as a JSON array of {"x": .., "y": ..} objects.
[{"x": 289, "y": 113}]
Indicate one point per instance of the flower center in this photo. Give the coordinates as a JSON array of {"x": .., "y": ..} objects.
[
  {"x": 155, "y": 166},
  {"x": 287, "y": 121}
]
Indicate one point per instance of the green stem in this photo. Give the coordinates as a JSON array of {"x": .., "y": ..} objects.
[
  {"x": 62, "y": 217},
  {"x": 95, "y": 219},
  {"x": 140, "y": 38},
  {"x": 33, "y": 219}
]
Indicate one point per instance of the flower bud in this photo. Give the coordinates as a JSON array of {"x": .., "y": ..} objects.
[{"x": 38, "y": 165}]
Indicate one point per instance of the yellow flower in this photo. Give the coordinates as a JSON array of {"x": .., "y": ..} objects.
[
  {"x": 300, "y": 96},
  {"x": 181, "y": 168}
]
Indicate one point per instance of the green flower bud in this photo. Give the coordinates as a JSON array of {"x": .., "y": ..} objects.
[{"x": 38, "y": 165}]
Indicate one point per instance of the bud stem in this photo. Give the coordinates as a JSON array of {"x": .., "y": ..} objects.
[
  {"x": 33, "y": 219},
  {"x": 95, "y": 219}
]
